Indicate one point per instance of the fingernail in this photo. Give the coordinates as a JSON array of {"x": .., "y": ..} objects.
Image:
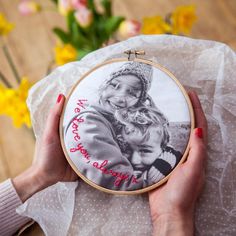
[
  {"x": 59, "y": 98},
  {"x": 198, "y": 132}
]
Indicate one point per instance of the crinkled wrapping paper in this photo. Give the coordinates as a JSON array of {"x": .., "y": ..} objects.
[{"x": 207, "y": 67}]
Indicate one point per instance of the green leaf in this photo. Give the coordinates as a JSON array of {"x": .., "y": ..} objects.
[
  {"x": 77, "y": 36},
  {"x": 82, "y": 52},
  {"x": 62, "y": 35},
  {"x": 91, "y": 5},
  {"x": 74, "y": 32},
  {"x": 107, "y": 6},
  {"x": 70, "y": 21},
  {"x": 112, "y": 24},
  {"x": 55, "y": 1}
]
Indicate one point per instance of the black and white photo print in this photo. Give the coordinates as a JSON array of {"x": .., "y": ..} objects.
[{"x": 126, "y": 126}]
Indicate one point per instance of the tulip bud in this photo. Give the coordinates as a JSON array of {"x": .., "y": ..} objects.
[
  {"x": 77, "y": 4},
  {"x": 64, "y": 7},
  {"x": 129, "y": 28},
  {"x": 28, "y": 7},
  {"x": 84, "y": 17}
]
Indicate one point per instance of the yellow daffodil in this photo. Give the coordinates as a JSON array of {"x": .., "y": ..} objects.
[
  {"x": 5, "y": 26},
  {"x": 13, "y": 103},
  {"x": 64, "y": 54},
  {"x": 21, "y": 115},
  {"x": 182, "y": 19},
  {"x": 23, "y": 88},
  {"x": 155, "y": 25},
  {"x": 2, "y": 99}
]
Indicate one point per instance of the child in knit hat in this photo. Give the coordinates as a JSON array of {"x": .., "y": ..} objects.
[{"x": 126, "y": 87}]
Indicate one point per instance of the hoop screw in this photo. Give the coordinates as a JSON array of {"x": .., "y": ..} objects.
[{"x": 134, "y": 52}]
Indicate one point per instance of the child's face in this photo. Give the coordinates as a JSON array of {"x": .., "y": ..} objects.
[
  {"x": 121, "y": 92},
  {"x": 146, "y": 152},
  {"x": 132, "y": 134}
]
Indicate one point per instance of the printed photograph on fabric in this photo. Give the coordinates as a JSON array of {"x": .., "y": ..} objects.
[{"x": 126, "y": 125}]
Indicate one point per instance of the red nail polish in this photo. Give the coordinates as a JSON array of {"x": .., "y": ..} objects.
[
  {"x": 59, "y": 98},
  {"x": 199, "y": 132}
]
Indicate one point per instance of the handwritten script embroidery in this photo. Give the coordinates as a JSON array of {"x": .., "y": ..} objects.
[
  {"x": 119, "y": 176},
  {"x": 75, "y": 126},
  {"x": 82, "y": 150}
]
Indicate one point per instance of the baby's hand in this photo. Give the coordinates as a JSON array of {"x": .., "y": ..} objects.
[
  {"x": 170, "y": 158},
  {"x": 154, "y": 175},
  {"x": 137, "y": 173}
]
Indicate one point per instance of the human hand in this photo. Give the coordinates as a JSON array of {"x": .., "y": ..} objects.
[
  {"x": 172, "y": 205},
  {"x": 50, "y": 165}
]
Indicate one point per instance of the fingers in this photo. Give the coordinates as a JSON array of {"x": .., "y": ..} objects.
[
  {"x": 52, "y": 125},
  {"x": 199, "y": 115}
]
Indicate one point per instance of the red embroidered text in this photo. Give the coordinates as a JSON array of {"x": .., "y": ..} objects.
[
  {"x": 118, "y": 175},
  {"x": 82, "y": 150},
  {"x": 75, "y": 126},
  {"x": 80, "y": 104}
]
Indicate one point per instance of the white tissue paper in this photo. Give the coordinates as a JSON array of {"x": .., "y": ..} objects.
[
  {"x": 205, "y": 66},
  {"x": 50, "y": 207}
]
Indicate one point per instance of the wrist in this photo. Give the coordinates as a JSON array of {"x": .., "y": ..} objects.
[
  {"x": 178, "y": 224},
  {"x": 28, "y": 183}
]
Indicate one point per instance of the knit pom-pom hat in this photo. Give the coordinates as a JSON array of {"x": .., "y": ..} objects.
[{"x": 140, "y": 70}]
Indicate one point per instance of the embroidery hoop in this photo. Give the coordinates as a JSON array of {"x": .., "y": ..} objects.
[{"x": 135, "y": 58}]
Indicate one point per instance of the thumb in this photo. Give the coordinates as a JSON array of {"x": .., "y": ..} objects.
[
  {"x": 197, "y": 153},
  {"x": 52, "y": 125}
]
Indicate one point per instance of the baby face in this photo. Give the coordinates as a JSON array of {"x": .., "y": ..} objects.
[
  {"x": 121, "y": 92},
  {"x": 146, "y": 152}
]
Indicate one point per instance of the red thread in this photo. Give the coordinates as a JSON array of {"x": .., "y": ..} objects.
[
  {"x": 118, "y": 175},
  {"x": 75, "y": 127},
  {"x": 82, "y": 150},
  {"x": 80, "y": 104},
  {"x": 134, "y": 180}
]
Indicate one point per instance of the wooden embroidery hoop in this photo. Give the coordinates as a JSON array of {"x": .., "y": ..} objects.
[{"x": 135, "y": 53}]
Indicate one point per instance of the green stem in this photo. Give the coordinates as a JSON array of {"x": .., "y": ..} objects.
[
  {"x": 11, "y": 63},
  {"x": 4, "y": 80}
]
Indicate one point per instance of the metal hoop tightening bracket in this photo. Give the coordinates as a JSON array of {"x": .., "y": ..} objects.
[{"x": 134, "y": 52}]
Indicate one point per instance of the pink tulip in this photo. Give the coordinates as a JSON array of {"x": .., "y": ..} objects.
[
  {"x": 129, "y": 28},
  {"x": 84, "y": 17},
  {"x": 28, "y": 7},
  {"x": 77, "y": 4},
  {"x": 64, "y": 7}
]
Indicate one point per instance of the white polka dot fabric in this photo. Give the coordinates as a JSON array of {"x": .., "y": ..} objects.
[
  {"x": 52, "y": 208},
  {"x": 207, "y": 67},
  {"x": 107, "y": 214}
]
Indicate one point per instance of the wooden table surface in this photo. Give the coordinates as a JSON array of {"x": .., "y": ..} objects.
[{"x": 31, "y": 45}]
